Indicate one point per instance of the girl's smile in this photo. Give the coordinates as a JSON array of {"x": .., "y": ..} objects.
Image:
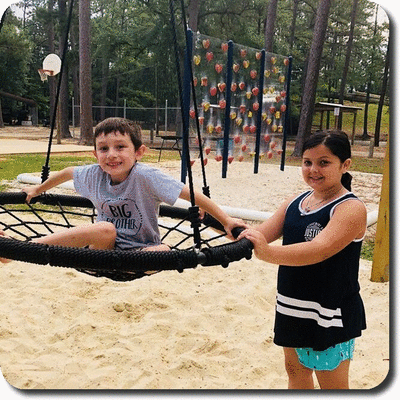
[{"x": 322, "y": 170}]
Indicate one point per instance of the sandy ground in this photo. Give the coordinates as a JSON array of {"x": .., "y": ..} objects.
[{"x": 206, "y": 328}]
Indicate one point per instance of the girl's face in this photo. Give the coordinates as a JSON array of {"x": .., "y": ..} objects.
[
  {"x": 117, "y": 155},
  {"x": 322, "y": 170}
]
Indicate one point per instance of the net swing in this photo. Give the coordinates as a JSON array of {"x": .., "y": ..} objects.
[{"x": 193, "y": 244}]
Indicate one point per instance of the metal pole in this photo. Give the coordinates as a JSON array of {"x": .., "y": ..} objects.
[
  {"x": 166, "y": 117},
  {"x": 73, "y": 117},
  {"x": 287, "y": 113},
  {"x": 227, "y": 125},
  {"x": 156, "y": 99},
  {"x": 125, "y": 108},
  {"x": 259, "y": 112}
]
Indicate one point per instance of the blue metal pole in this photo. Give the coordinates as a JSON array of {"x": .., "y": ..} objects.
[
  {"x": 287, "y": 113},
  {"x": 259, "y": 111},
  {"x": 227, "y": 125}
]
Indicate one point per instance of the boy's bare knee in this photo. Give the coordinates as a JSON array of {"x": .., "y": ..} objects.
[{"x": 107, "y": 230}]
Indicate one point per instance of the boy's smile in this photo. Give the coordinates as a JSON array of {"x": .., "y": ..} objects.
[{"x": 117, "y": 155}]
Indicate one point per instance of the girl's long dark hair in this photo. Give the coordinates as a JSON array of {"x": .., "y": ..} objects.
[{"x": 338, "y": 143}]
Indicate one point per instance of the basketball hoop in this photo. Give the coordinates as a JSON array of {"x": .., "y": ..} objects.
[
  {"x": 51, "y": 67},
  {"x": 44, "y": 73}
]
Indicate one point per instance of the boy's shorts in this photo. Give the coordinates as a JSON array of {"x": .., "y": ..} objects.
[{"x": 326, "y": 360}]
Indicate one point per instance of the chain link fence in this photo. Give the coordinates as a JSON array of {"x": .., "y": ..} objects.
[{"x": 161, "y": 120}]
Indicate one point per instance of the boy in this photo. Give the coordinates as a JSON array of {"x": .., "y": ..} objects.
[{"x": 125, "y": 193}]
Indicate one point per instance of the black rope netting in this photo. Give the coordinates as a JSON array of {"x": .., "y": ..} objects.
[{"x": 48, "y": 213}]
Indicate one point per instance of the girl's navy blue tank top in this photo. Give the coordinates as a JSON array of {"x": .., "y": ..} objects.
[{"x": 318, "y": 305}]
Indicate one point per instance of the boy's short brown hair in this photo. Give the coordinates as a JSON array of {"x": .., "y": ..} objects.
[{"x": 123, "y": 126}]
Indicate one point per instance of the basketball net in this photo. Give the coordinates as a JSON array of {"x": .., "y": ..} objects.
[{"x": 44, "y": 73}]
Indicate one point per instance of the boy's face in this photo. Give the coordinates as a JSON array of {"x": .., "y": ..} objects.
[{"x": 116, "y": 155}]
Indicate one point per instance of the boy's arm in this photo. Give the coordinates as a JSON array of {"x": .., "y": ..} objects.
[
  {"x": 213, "y": 209},
  {"x": 55, "y": 179}
]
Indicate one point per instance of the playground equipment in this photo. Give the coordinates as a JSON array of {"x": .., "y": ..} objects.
[{"x": 240, "y": 103}]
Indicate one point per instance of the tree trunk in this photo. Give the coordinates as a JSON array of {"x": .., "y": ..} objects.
[
  {"x": 347, "y": 59},
  {"x": 332, "y": 83},
  {"x": 293, "y": 24},
  {"x": 383, "y": 93},
  {"x": 365, "y": 135},
  {"x": 270, "y": 25},
  {"x": 310, "y": 86},
  {"x": 117, "y": 96},
  {"x": 85, "y": 77},
  {"x": 193, "y": 14},
  {"x": 63, "y": 131},
  {"x": 50, "y": 41},
  {"x": 75, "y": 78},
  {"x": 1, "y": 117},
  {"x": 104, "y": 81}
]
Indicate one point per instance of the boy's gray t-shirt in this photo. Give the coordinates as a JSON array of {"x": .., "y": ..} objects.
[{"x": 133, "y": 205}]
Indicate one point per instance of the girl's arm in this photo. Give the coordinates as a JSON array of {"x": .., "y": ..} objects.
[
  {"x": 55, "y": 179},
  {"x": 213, "y": 209},
  {"x": 272, "y": 228},
  {"x": 347, "y": 224}
]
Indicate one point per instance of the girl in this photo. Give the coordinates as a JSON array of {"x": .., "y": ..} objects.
[{"x": 319, "y": 310}]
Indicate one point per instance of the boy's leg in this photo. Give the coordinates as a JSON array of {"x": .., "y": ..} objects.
[
  {"x": 159, "y": 247},
  {"x": 100, "y": 235},
  {"x": 4, "y": 260},
  {"x": 300, "y": 377},
  {"x": 336, "y": 379}
]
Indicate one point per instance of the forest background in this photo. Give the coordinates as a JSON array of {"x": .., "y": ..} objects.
[{"x": 132, "y": 56}]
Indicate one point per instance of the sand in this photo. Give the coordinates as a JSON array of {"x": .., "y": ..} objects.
[{"x": 205, "y": 328}]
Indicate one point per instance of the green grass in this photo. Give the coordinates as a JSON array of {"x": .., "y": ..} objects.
[
  {"x": 367, "y": 250},
  {"x": 368, "y": 165},
  {"x": 11, "y": 166}
]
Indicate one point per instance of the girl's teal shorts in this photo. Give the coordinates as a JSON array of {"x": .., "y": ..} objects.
[{"x": 326, "y": 360}]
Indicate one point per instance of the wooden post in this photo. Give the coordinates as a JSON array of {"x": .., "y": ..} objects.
[
  {"x": 380, "y": 262},
  {"x": 353, "y": 132},
  {"x": 336, "y": 112},
  {"x": 371, "y": 148}
]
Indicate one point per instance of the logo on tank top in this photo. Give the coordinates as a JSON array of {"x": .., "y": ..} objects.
[
  {"x": 312, "y": 230},
  {"x": 124, "y": 214}
]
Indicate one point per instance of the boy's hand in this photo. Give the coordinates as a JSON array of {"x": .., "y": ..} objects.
[
  {"x": 31, "y": 192},
  {"x": 234, "y": 223}
]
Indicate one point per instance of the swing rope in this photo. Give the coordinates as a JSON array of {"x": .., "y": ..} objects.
[
  {"x": 206, "y": 188},
  {"x": 46, "y": 168},
  {"x": 193, "y": 210}
]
